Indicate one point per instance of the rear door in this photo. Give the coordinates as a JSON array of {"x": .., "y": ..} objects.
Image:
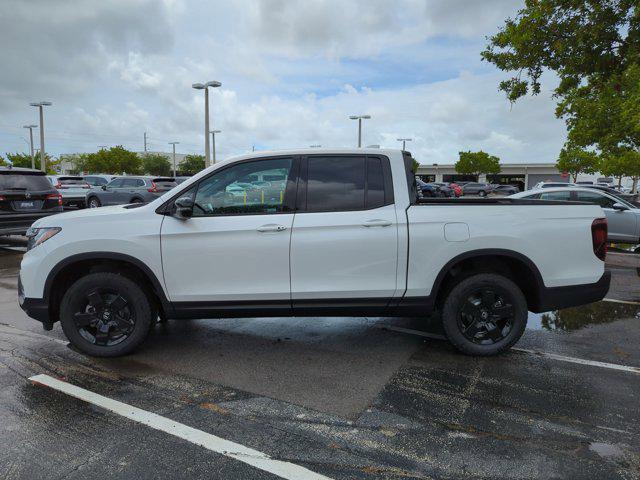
[{"x": 344, "y": 243}]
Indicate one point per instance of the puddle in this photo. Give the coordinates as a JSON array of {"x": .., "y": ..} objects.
[
  {"x": 575, "y": 318},
  {"x": 606, "y": 450}
]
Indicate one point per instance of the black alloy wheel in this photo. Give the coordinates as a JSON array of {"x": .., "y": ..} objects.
[
  {"x": 106, "y": 318},
  {"x": 486, "y": 317}
]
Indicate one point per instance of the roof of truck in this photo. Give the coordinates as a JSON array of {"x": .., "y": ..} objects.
[{"x": 313, "y": 151}]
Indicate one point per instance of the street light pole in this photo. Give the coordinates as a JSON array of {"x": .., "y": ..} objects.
[
  {"x": 205, "y": 87},
  {"x": 360, "y": 118},
  {"x": 33, "y": 157},
  {"x": 174, "y": 156},
  {"x": 213, "y": 144},
  {"x": 43, "y": 167},
  {"x": 404, "y": 142}
]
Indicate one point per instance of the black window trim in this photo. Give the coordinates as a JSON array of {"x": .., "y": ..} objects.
[
  {"x": 301, "y": 199},
  {"x": 289, "y": 194}
]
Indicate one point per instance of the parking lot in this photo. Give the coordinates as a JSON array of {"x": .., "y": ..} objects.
[{"x": 335, "y": 398}]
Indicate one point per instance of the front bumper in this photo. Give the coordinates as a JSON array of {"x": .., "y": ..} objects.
[
  {"x": 555, "y": 298},
  {"x": 36, "y": 308}
]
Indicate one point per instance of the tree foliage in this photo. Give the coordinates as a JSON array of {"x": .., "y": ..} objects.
[
  {"x": 156, "y": 164},
  {"x": 576, "y": 160},
  {"x": 476, "y": 163},
  {"x": 593, "y": 46},
  {"x": 621, "y": 164},
  {"x": 115, "y": 160},
  {"x": 192, "y": 164},
  {"x": 24, "y": 160}
]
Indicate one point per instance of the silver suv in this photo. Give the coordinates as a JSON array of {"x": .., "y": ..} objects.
[{"x": 125, "y": 190}]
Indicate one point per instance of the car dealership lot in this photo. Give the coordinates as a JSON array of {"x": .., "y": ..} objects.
[{"x": 344, "y": 398}]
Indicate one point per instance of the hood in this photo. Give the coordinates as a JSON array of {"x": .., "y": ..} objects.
[{"x": 56, "y": 220}]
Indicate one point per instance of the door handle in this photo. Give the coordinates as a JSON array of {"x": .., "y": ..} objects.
[
  {"x": 271, "y": 227},
  {"x": 377, "y": 223}
]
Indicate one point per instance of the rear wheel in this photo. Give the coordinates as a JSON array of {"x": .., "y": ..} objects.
[
  {"x": 136, "y": 200},
  {"x": 482, "y": 193},
  {"x": 94, "y": 202},
  {"x": 105, "y": 314},
  {"x": 484, "y": 314}
]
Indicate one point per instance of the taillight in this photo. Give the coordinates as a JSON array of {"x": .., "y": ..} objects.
[
  {"x": 2, "y": 198},
  {"x": 55, "y": 195},
  {"x": 154, "y": 188},
  {"x": 58, "y": 185},
  {"x": 599, "y": 237}
]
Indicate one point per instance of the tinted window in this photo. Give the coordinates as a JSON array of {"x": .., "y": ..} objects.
[
  {"x": 18, "y": 181},
  {"x": 164, "y": 183},
  {"x": 131, "y": 182},
  {"x": 593, "y": 197},
  {"x": 95, "y": 181},
  {"x": 71, "y": 181},
  {"x": 117, "y": 183},
  {"x": 335, "y": 183},
  {"x": 375, "y": 183},
  {"x": 230, "y": 191},
  {"x": 565, "y": 195}
]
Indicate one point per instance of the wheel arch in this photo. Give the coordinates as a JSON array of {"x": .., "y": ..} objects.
[
  {"x": 513, "y": 265},
  {"x": 72, "y": 268}
]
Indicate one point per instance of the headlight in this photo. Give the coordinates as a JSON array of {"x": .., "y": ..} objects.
[{"x": 40, "y": 235}]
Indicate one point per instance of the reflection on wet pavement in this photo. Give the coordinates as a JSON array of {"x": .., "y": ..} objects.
[{"x": 575, "y": 318}]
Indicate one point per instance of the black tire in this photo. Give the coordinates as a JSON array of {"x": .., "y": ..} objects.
[
  {"x": 94, "y": 202},
  {"x": 482, "y": 193},
  {"x": 491, "y": 326},
  {"x": 137, "y": 200},
  {"x": 105, "y": 314}
]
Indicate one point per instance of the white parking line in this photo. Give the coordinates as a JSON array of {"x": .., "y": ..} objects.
[
  {"x": 552, "y": 356},
  {"x": 27, "y": 333},
  {"x": 211, "y": 442}
]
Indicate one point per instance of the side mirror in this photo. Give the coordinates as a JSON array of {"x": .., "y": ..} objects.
[
  {"x": 104, "y": 187},
  {"x": 620, "y": 207},
  {"x": 184, "y": 207}
]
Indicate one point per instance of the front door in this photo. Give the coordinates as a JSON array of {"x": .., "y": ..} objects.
[
  {"x": 235, "y": 247},
  {"x": 345, "y": 232},
  {"x": 621, "y": 223}
]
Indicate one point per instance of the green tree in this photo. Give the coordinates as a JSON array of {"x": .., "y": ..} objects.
[
  {"x": 576, "y": 160},
  {"x": 476, "y": 163},
  {"x": 156, "y": 164},
  {"x": 191, "y": 164},
  {"x": 115, "y": 160},
  {"x": 623, "y": 163},
  {"x": 24, "y": 160}
]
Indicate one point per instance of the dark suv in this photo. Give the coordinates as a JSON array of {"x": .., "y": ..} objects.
[{"x": 25, "y": 196}]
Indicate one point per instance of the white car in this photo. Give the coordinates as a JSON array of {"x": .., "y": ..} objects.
[
  {"x": 540, "y": 185},
  {"x": 346, "y": 235},
  {"x": 72, "y": 188},
  {"x": 623, "y": 217}
]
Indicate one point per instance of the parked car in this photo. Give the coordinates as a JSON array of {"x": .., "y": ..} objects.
[
  {"x": 623, "y": 217},
  {"x": 125, "y": 190},
  {"x": 72, "y": 188},
  {"x": 476, "y": 188},
  {"x": 428, "y": 189},
  {"x": 96, "y": 181},
  {"x": 505, "y": 189},
  {"x": 182, "y": 178},
  {"x": 457, "y": 189},
  {"x": 584, "y": 182},
  {"x": 25, "y": 196},
  {"x": 445, "y": 189},
  {"x": 350, "y": 237},
  {"x": 552, "y": 185}
]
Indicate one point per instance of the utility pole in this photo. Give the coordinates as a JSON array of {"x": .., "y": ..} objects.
[
  {"x": 33, "y": 157},
  {"x": 102, "y": 147},
  {"x": 174, "y": 156},
  {"x": 360, "y": 118},
  {"x": 213, "y": 144},
  {"x": 43, "y": 165},
  {"x": 145, "y": 142}
]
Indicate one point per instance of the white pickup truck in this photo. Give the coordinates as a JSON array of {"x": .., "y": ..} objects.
[{"x": 309, "y": 233}]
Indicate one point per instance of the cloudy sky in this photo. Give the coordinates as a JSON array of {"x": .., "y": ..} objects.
[{"x": 292, "y": 72}]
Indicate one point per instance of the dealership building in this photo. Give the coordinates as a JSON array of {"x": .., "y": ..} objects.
[{"x": 523, "y": 175}]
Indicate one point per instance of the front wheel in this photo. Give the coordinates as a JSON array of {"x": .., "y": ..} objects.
[
  {"x": 105, "y": 314},
  {"x": 482, "y": 193},
  {"x": 484, "y": 314},
  {"x": 94, "y": 202}
]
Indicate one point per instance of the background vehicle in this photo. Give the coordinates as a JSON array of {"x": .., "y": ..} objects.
[
  {"x": 505, "y": 189},
  {"x": 428, "y": 189},
  {"x": 445, "y": 189},
  {"x": 96, "y": 181},
  {"x": 181, "y": 179},
  {"x": 25, "y": 196},
  {"x": 584, "y": 182},
  {"x": 124, "y": 190},
  {"x": 476, "y": 188},
  {"x": 348, "y": 235},
  {"x": 73, "y": 190},
  {"x": 623, "y": 217},
  {"x": 457, "y": 189},
  {"x": 552, "y": 185}
]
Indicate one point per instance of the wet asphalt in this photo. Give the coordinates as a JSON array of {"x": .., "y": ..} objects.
[{"x": 343, "y": 397}]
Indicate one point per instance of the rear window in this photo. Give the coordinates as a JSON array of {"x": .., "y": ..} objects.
[
  {"x": 24, "y": 181},
  {"x": 164, "y": 183},
  {"x": 71, "y": 181}
]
